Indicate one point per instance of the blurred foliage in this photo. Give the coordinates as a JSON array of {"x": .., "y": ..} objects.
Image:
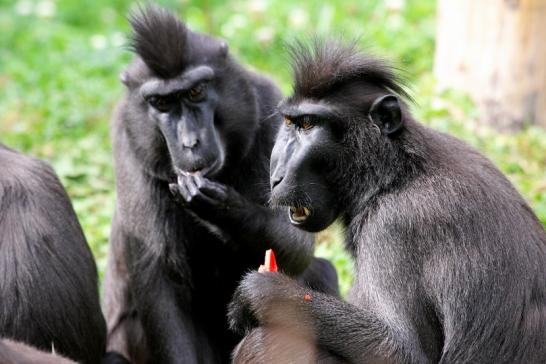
[{"x": 59, "y": 62}]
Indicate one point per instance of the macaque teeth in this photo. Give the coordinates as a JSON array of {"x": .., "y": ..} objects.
[{"x": 299, "y": 214}]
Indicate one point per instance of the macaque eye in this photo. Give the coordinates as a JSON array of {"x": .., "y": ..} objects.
[
  {"x": 198, "y": 92},
  {"x": 287, "y": 121},
  {"x": 305, "y": 122},
  {"x": 160, "y": 103}
]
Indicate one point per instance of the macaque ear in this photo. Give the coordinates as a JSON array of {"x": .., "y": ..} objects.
[{"x": 385, "y": 112}]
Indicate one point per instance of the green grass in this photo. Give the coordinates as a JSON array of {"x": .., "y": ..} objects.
[{"x": 60, "y": 60}]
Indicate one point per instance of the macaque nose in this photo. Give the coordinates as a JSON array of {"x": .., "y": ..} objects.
[
  {"x": 190, "y": 142},
  {"x": 275, "y": 180}
]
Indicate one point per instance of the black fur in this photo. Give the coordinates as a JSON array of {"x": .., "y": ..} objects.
[
  {"x": 48, "y": 287},
  {"x": 114, "y": 358},
  {"x": 176, "y": 260},
  {"x": 319, "y": 69},
  {"x": 450, "y": 259},
  {"x": 159, "y": 38}
]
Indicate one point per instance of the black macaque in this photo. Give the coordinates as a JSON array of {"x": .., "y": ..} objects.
[
  {"x": 17, "y": 353},
  {"x": 192, "y": 141},
  {"x": 450, "y": 259},
  {"x": 48, "y": 278}
]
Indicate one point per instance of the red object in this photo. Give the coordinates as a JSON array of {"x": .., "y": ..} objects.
[
  {"x": 307, "y": 298},
  {"x": 270, "y": 264}
]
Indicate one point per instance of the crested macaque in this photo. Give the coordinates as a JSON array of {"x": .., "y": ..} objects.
[{"x": 450, "y": 259}]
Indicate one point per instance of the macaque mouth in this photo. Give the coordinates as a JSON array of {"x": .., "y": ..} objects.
[
  {"x": 200, "y": 171},
  {"x": 298, "y": 215}
]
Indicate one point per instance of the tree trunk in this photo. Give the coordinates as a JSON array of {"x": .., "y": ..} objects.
[{"x": 496, "y": 51}]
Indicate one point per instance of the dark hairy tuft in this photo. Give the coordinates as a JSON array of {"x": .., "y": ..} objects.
[
  {"x": 322, "y": 65},
  {"x": 159, "y": 38}
]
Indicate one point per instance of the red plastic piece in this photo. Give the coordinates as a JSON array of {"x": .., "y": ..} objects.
[{"x": 270, "y": 264}]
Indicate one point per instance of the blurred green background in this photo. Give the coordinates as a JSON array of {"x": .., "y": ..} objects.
[{"x": 60, "y": 60}]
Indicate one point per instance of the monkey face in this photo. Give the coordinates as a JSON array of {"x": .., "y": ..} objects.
[
  {"x": 183, "y": 109},
  {"x": 313, "y": 151},
  {"x": 304, "y": 151}
]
